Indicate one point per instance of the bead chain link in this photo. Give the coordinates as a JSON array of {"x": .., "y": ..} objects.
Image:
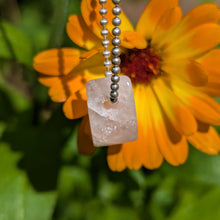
[
  {"x": 106, "y": 53},
  {"x": 115, "y": 51}
]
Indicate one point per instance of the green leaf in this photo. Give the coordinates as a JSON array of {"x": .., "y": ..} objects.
[
  {"x": 203, "y": 207},
  {"x": 18, "y": 200},
  {"x": 34, "y": 25},
  {"x": 14, "y": 44},
  {"x": 12, "y": 99},
  {"x": 71, "y": 179},
  {"x": 38, "y": 205},
  {"x": 205, "y": 1},
  {"x": 199, "y": 168},
  {"x": 218, "y": 100},
  {"x": 74, "y": 7},
  {"x": 59, "y": 20},
  {"x": 112, "y": 212}
]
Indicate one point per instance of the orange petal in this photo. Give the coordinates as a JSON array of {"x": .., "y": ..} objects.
[
  {"x": 132, "y": 39},
  {"x": 91, "y": 53},
  {"x": 115, "y": 158},
  {"x": 172, "y": 145},
  {"x": 205, "y": 13},
  {"x": 76, "y": 105},
  {"x": 152, "y": 14},
  {"x": 132, "y": 152},
  {"x": 151, "y": 155},
  {"x": 178, "y": 114},
  {"x": 212, "y": 89},
  {"x": 91, "y": 67},
  {"x": 188, "y": 70},
  {"x": 169, "y": 19},
  {"x": 90, "y": 12},
  {"x": 144, "y": 151},
  {"x": 203, "y": 107},
  {"x": 57, "y": 62},
  {"x": 196, "y": 42},
  {"x": 211, "y": 63},
  {"x": 57, "y": 91},
  {"x": 84, "y": 138},
  {"x": 80, "y": 34},
  {"x": 63, "y": 87},
  {"x": 206, "y": 139}
]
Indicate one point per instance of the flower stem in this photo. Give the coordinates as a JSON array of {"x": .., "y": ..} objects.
[{"x": 58, "y": 25}]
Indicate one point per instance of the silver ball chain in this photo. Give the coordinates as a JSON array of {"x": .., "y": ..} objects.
[
  {"x": 106, "y": 53},
  {"x": 115, "y": 51}
]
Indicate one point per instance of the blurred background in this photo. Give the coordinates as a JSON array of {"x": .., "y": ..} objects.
[{"x": 42, "y": 176}]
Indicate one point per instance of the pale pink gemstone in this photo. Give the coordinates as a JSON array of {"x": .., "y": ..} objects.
[{"x": 111, "y": 124}]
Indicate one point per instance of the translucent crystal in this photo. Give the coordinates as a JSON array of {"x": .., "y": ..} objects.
[{"x": 111, "y": 123}]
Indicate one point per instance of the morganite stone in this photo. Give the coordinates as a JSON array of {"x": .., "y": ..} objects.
[{"x": 111, "y": 123}]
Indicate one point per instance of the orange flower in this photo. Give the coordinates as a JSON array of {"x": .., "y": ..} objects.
[{"x": 174, "y": 70}]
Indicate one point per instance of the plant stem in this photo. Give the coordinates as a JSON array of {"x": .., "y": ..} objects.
[{"x": 59, "y": 21}]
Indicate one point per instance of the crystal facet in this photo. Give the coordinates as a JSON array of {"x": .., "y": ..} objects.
[{"x": 111, "y": 124}]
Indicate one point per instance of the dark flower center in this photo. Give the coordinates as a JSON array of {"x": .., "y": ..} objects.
[{"x": 140, "y": 65}]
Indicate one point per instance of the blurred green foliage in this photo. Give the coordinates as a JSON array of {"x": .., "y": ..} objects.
[{"x": 43, "y": 177}]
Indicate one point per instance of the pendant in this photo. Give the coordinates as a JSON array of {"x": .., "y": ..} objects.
[{"x": 111, "y": 123}]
